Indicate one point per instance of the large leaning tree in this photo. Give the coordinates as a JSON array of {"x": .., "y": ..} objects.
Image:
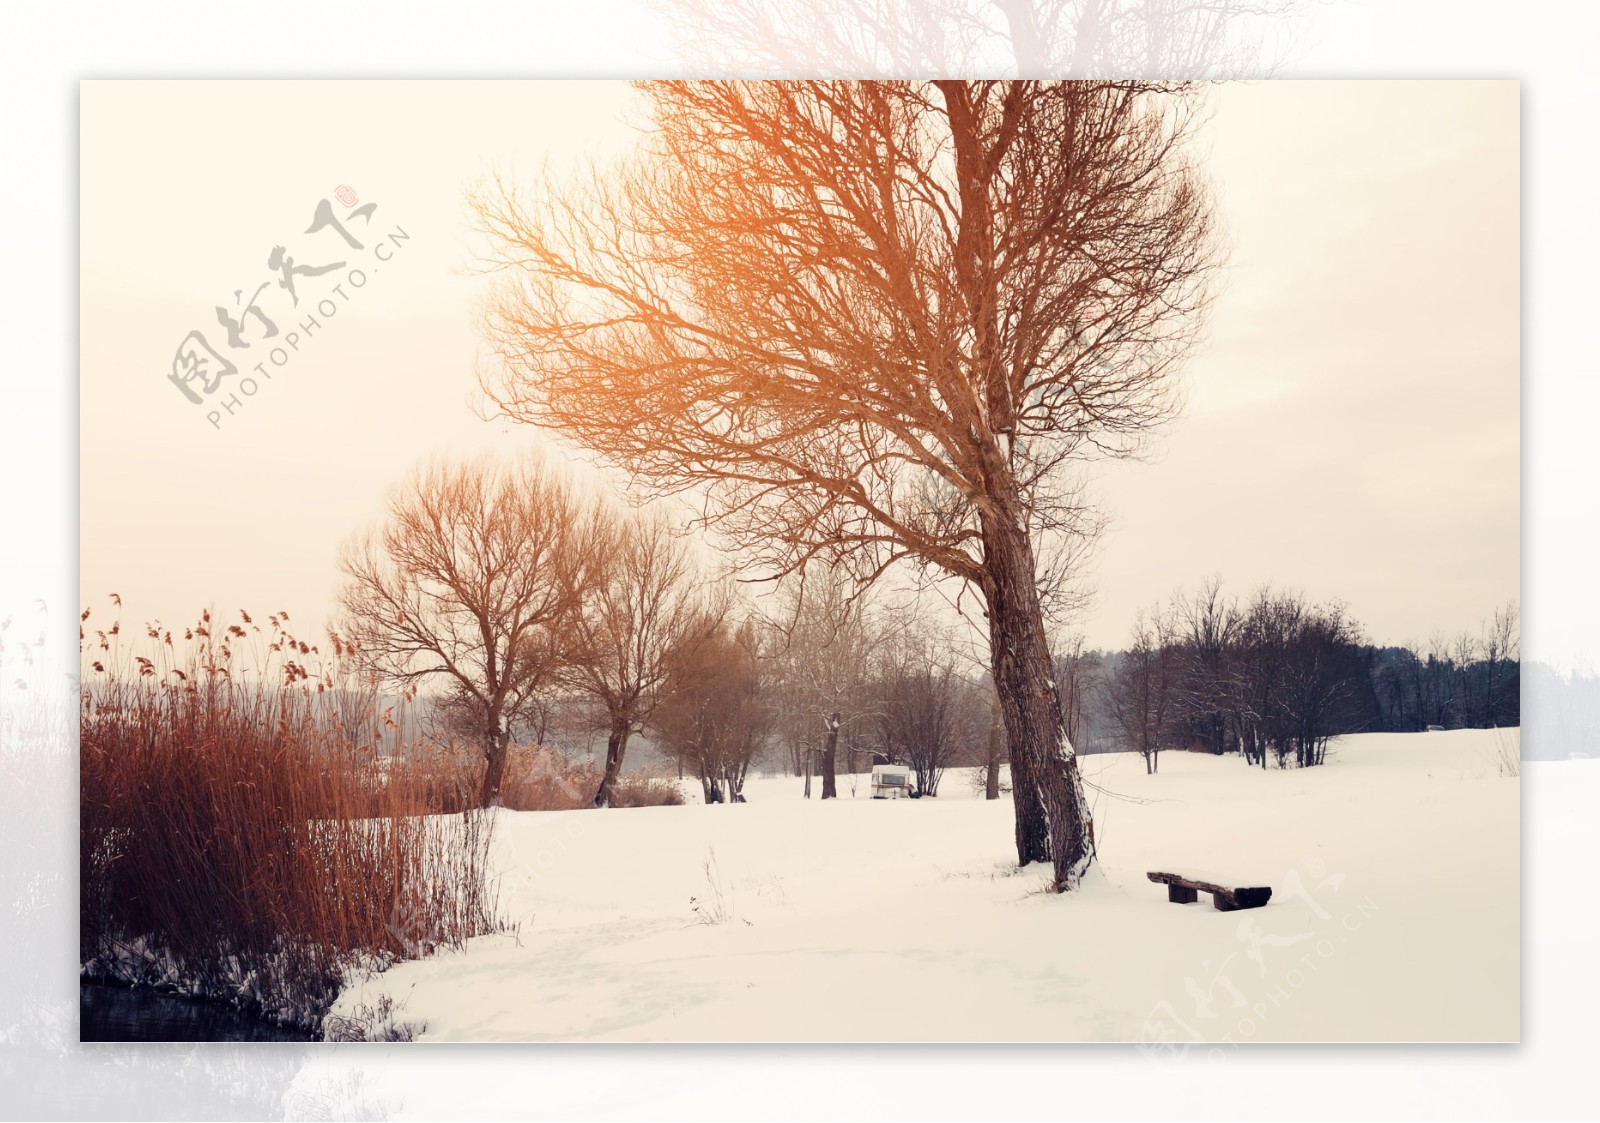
[
  {"x": 873, "y": 323},
  {"x": 470, "y": 586}
]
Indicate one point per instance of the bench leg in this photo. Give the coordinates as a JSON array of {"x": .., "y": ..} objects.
[{"x": 1180, "y": 895}]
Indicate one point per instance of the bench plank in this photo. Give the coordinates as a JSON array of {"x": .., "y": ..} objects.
[{"x": 1181, "y": 890}]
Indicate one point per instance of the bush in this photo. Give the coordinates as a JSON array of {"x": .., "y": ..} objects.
[
  {"x": 646, "y": 789},
  {"x": 447, "y": 779}
]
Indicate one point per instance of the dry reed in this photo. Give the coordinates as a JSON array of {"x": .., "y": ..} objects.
[{"x": 239, "y": 837}]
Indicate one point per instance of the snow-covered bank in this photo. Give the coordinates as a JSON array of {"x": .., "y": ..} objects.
[{"x": 1394, "y": 916}]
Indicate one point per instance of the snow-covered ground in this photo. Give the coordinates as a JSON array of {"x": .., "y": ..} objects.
[{"x": 1394, "y": 914}]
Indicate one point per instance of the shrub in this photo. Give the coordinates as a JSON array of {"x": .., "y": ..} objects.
[
  {"x": 446, "y": 779},
  {"x": 539, "y": 778},
  {"x": 646, "y": 789}
]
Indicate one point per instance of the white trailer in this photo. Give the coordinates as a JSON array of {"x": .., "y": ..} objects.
[{"x": 891, "y": 781}]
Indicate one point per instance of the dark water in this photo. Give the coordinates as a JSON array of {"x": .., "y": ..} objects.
[{"x": 111, "y": 1013}]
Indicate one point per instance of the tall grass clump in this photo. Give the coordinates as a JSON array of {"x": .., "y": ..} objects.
[{"x": 239, "y": 837}]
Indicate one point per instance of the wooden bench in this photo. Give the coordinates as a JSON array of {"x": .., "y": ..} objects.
[{"x": 1181, "y": 890}]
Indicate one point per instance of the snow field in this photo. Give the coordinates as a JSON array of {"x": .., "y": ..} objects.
[{"x": 1394, "y": 914}]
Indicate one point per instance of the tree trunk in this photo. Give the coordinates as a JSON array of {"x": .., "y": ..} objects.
[
  {"x": 1052, "y": 812},
  {"x": 997, "y": 733},
  {"x": 494, "y": 772},
  {"x": 616, "y": 745},
  {"x": 1489, "y": 715},
  {"x": 830, "y": 749},
  {"x": 1032, "y": 833}
]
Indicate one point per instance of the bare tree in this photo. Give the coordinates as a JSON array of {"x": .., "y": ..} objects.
[
  {"x": 919, "y": 711},
  {"x": 826, "y": 644},
  {"x": 715, "y": 717},
  {"x": 468, "y": 584},
  {"x": 872, "y": 323},
  {"x": 1266, "y": 634},
  {"x": 1299, "y": 675},
  {"x": 1323, "y": 671},
  {"x": 1207, "y": 623},
  {"x": 1143, "y": 690},
  {"x": 1500, "y": 645},
  {"x": 646, "y": 601},
  {"x": 1441, "y": 704},
  {"x": 994, "y": 750},
  {"x": 1076, "y": 682},
  {"x": 1463, "y": 653}
]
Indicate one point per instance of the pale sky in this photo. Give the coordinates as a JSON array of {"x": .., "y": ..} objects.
[{"x": 1352, "y": 427}]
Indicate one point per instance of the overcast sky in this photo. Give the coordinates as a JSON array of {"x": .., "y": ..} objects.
[{"x": 1352, "y": 427}]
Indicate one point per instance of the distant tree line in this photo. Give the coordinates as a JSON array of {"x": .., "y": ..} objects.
[
  {"x": 1276, "y": 676},
  {"x": 532, "y": 611},
  {"x": 828, "y": 685},
  {"x": 539, "y": 613}
]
